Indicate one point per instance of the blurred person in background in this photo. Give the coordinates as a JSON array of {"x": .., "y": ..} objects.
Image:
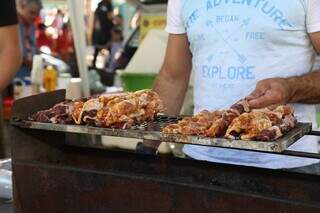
[
  {"x": 28, "y": 11},
  {"x": 43, "y": 39},
  {"x": 117, "y": 21},
  {"x": 114, "y": 47},
  {"x": 102, "y": 26},
  {"x": 10, "y": 51},
  {"x": 58, "y": 20},
  {"x": 64, "y": 44}
]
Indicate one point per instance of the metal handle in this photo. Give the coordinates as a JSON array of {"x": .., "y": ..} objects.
[{"x": 315, "y": 133}]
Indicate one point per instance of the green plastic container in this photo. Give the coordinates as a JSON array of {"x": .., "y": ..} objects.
[
  {"x": 137, "y": 81},
  {"x": 318, "y": 118}
]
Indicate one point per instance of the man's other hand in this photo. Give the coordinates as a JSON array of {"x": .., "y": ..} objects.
[
  {"x": 149, "y": 147},
  {"x": 270, "y": 92}
]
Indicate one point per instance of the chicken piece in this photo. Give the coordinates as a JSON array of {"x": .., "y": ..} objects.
[
  {"x": 129, "y": 108},
  {"x": 288, "y": 123},
  {"x": 196, "y": 125},
  {"x": 275, "y": 117},
  {"x": 241, "y": 106},
  {"x": 238, "y": 125},
  {"x": 220, "y": 125},
  {"x": 172, "y": 129},
  {"x": 88, "y": 111},
  {"x": 118, "y": 112},
  {"x": 76, "y": 115},
  {"x": 269, "y": 134},
  {"x": 193, "y": 128},
  {"x": 217, "y": 129},
  {"x": 105, "y": 99},
  {"x": 149, "y": 103},
  {"x": 284, "y": 110},
  {"x": 257, "y": 125},
  {"x": 278, "y": 130},
  {"x": 248, "y": 125}
]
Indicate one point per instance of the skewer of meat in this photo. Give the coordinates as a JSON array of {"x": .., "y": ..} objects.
[
  {"x": 287, "y": 123},
  {"x": 262, "y": 125},
  {"x": 58, "y": 114},
  {"x": 196, "y": 125},
  {"x": 248, "y": 125},
  {"x": 210, "y": 124},
  {"x": 220, "y": 126},
  {"x": 116, "y": 111},
  {"x": 132, "y": 108}
]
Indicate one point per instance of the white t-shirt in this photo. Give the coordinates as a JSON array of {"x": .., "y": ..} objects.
[{"x": 236, "y": 43}]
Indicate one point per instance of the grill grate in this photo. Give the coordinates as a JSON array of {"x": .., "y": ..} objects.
[
  {"x": 157, "y": 124},
  {"x": 153, "y": 131}
]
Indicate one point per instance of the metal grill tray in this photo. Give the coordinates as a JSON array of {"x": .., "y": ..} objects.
[{"x": 153, "y": 131}]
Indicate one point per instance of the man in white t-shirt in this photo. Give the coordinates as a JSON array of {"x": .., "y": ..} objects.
[{"x": 260, "y": 49}]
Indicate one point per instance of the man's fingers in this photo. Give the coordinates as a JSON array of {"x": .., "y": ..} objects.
[
  {"x": 263, "y": 101},
  {"x": 259, "y": 91},
  {"x": 273, "y": 107},
  {"x": 255, "y": 94}
]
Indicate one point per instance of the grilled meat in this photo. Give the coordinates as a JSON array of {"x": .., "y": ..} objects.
[{"x": 116, "y": 111}]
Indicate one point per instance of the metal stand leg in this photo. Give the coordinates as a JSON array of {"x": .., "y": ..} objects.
[{"x": 2, "y": 151}]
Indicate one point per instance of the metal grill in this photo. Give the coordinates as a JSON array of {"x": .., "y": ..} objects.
[
  {"x": 153, "y": 131},
  {"x": 23, "y": 108}
]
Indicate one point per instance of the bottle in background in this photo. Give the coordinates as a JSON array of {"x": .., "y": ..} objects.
[{"x": 50, "y": 78}]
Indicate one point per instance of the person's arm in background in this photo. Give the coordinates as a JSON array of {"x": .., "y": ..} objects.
[
  {"x": 10, "y": 50},
  {"x": 297, "y": 89},
  {"x": 10, "y": 54}
]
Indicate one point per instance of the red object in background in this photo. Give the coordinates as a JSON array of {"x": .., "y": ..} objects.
[
  {"x": 43, "y": 39},
  {"x": 7, "y": 107},
  {"x": 64, "y": 44},
  {"x": 38, "y": 21}
]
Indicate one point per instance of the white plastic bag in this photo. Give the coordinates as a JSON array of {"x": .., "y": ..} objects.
[{"x": 5, "y": 179}]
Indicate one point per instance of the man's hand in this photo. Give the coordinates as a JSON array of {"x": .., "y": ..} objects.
[
  {"x": 269, "y": 92},
  {"x": 148, "y": 147}
]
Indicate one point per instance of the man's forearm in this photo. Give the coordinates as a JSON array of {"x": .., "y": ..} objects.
[
  {"x": 172, "y": 92},
  {"x": 173, "y": 79},
  {"x": 305, "y": 89}
]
